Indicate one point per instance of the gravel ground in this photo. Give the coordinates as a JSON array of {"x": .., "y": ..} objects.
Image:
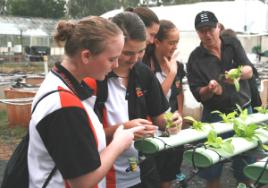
[
  {"x": 227, "y": 182},
  {"x": 227, "y": 179},
  {"x": 2, "y": 168}
]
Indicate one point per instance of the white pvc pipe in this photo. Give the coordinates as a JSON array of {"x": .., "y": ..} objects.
[
  {"x": 253, "y": 171},
  {"x": 152, "y": 145},
  {"x": 206, "y": 157}
]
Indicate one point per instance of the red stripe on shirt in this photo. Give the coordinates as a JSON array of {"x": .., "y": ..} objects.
[
  {"x": 70, "y": 100},
  {"x": 91, "y": 83},
  {"x": 104, "y": 118},
  {"x": 110, "y": 179}
]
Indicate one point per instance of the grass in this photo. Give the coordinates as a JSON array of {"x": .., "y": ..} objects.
[
  {"x": 12, "y": 135},
  {"x": 8, "y": 134},
  {"x": 28, "y": 67}
]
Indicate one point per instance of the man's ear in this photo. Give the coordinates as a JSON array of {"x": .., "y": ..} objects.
[{"x": 85, "y": 56}]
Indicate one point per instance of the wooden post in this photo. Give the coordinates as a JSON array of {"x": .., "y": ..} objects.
[
  {"x": 264, "y": 92},
  {"x": 45, "y": 59}
]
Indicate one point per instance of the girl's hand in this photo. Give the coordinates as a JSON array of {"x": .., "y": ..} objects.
[
  {"x": 172, "y": 63},
  {"x": 149, "y": 128},
  {"x": 176, "y": 124},
  {"x": 123, "y": 137}
]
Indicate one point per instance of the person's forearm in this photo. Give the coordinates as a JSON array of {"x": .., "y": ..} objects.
[
  {"x": 205, "y": 93},
  {"x": 167, "y": 83},
  {"x": 180, "y": 99}
]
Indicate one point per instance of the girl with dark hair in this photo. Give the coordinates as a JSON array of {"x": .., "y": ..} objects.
[
  {"x": 65, "y": 133},
  {"x": 150, "y": 21},
  {"x": 161, "y": 58},
  {"x": 131, "y": 95},
  {"x": 162, "y": 61}
]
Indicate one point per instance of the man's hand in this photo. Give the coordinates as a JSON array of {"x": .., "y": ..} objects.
[{"x": 215, "y": 87}]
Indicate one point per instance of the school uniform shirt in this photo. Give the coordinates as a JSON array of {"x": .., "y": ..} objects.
[
  {"x": 64, "y": 132},
  {"x": 142, "y": 98},
  {"x": 176, "y": 87},
  {"x": 202, "y": 67},
  {"x": 117, "y": 113},
  {"x": 168, "y": 162}
]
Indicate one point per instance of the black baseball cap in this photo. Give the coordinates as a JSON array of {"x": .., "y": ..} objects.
[{"x": 205, "y": 18}]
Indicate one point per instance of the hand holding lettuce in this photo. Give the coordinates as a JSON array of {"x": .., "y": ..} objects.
[{"x": 233, "y": 76}]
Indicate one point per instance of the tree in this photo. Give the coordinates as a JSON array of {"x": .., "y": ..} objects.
[
  {"x": 82, "y": 8},
  {"x": 2, "y": 7},
  {"x": 194, "y": 1},
  {"x": 130, "y": 3},
  {"x": 37, "y": 8},
  {"x": 56, "y": 8}
]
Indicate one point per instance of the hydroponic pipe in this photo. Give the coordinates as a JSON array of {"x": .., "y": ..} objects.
[
  {"x": 203, "y": 157},
  {"x": 258, "y": 170},
  {"x": 155, "y": 144}
]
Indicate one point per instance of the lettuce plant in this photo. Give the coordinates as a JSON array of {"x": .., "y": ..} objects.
[
  {"x": 241, "y": 129},
  {"x": 226, "y": 118},
  {"x": 218, "y": 143},
  {"x": 234, "y": 75},
  {"x": 264, "y": 146},
  {"x": 168, "y": 119},
  {"x": 168, "y": 123},
  {"x": 197, "y": 125},
  {"x": 261, "y": 109},
  {"x": 243, "y": 114}
]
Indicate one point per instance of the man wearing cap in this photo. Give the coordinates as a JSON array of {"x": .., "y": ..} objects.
[{"x": 206, "y": 69}]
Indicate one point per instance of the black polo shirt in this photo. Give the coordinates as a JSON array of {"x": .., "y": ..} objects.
[
  {"x": 144, "y": 94},
  {"x": 202, "y": 67},
  {"x": 151, "y": 100},
  {"x": 176, "y": 88}
]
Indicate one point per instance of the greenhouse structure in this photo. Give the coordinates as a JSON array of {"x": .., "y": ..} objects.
[{"x": 21, "y": 37}]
